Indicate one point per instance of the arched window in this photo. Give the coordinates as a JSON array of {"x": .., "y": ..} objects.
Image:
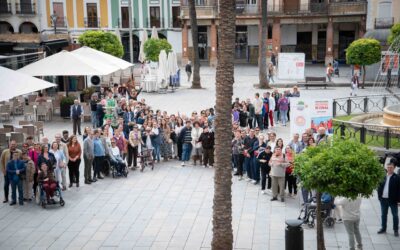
[
  {"x": 6, "y": 28},
  {"x": 27, "y": 28}
]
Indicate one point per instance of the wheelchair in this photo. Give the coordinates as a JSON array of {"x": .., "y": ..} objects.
[
  {"x": 118, "y": 167},
  {"x": 41, "y": 198},
  {"x": 308, "y": 214}
]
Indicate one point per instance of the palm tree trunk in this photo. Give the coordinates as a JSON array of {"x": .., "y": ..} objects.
[
  {"x": 196, "y": 61},
  {"x": 262, "y": 63},
  {"x": 222, "y": 206},
  {"x": 320, "y": 229}
]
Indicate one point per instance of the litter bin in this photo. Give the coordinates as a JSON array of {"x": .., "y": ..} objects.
[{"x": 294, "y": 237}]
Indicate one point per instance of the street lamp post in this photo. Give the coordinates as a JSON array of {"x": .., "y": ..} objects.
[{"x": 54, "y": 18}]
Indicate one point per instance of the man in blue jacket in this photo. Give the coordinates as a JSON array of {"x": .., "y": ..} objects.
[
  {"x": 15, "y": 170},
  {"x": 389, "y": 196}
]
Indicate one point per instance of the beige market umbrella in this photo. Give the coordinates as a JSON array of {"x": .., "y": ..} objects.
[
  {"x": 154, "y": 33},
  {"x": 142, "y": 56}
]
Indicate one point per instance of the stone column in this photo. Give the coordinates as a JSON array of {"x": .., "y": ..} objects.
[
  {"x": 214, "y": 44},
  {"x": 276, "y": 36},
  {"x": 185, "y": 44},
  {"x": 329, "y": 42}
]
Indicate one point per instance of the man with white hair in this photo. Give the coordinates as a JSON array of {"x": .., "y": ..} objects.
[
  {"x": 76, "y": 114},
  {"x": 321, "y": 137}
]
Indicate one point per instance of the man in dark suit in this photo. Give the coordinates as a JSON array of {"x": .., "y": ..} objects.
[
  {"x": 389, "y": 196},
  {"x": 76, "y": 114}
]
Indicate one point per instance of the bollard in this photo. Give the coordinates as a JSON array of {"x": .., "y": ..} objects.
[{"x": 294, "y": 237}]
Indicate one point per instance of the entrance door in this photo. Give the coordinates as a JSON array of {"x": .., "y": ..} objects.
[
  {"x": 58, "y": 9},
  {"x": 202, "y": 41},
  {"x": 304, "y": 44},
  {"x": 92, "y": 20},
  {"x": 135, "y": 47},
  {"x": 345, "y": 38},
  {"x": 124, "y": 17},
  {"x": 321, "y": 47},
  {"x": 241, "y": 43}
]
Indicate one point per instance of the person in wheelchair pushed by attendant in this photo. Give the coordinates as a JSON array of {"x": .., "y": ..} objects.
[{"x": 47, "y": 178}]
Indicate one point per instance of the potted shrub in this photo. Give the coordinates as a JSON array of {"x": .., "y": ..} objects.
[
  {"x": 65, "y": 105},
  {"x": 87, "y": 94}
]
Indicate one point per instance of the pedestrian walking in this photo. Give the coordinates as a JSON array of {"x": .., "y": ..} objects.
[
  {"x": 329, "y": 72},
  {"x": 351, "y": 219},
  {"x": 188, "y": 69},
  {"x": 354, "y": 85}
]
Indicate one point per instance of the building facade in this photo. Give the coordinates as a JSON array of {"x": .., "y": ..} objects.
[
  {"x": 382, "y": 14},
  {"x": 322, "y": 29},
  {"x": 146, "y": 14},
  {"x": 19, "y": 26}
]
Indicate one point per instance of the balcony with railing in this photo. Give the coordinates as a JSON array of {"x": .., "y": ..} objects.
[
  {"x": 204, "y": 9},
  {"x": 247, "y": 10},
  {"x": 61, "y": 22},
  {"x": 92, "y": 22},
  {"x": 123, "y": 23},
  {"x": 300, "y": 10},
  {"x": 348, "y": 8},
  {"x": 25, "y": 8},
  {"x": 155, "y": 22},
  {"x": 5, "y": 8},
  {"x": 383, "y": 23}
]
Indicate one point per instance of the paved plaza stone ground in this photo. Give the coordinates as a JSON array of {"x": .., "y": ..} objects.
[{"x": 171, "y": 207}]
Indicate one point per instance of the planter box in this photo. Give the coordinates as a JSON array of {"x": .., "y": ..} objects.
[{"x": 65, "y": 110}]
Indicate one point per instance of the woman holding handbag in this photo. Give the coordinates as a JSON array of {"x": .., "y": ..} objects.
[{"x": 290, "y": 178}]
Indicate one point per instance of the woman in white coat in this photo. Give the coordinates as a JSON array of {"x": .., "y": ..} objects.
[{"x": 197, "y": 151}]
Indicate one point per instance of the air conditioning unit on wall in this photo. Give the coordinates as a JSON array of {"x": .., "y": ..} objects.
[{"x": 93, "y": 81}]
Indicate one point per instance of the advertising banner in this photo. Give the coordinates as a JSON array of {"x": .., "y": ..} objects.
[
  {"x": 389, "y": 60},
  {"x": 310, "y": 113},
  {"x": 291, "y": 66}
]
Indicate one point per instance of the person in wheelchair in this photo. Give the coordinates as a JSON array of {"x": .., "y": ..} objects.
[
  {"x": 115, "y": 158},
  {"x": 327, "y": 204},
  {"x": 47, "y": 179}
]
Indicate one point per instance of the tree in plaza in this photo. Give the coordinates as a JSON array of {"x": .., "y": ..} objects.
[
  {"x": 345, "y": 168},
  {"x": 195, "y": 40},
  {"x": 152, "y": 48},
  {"x": 364, "y": 51},
  {"x": 222, "y": 204},
  {"x": 262, "y": 64},
  {"x": 103, "y": 41},
  {"x": 394, "y": 37}
]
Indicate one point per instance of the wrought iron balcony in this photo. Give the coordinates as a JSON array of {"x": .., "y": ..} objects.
[
  {"x": 153, "y": 22},
  {"x": 383, "y": 23},
  {"x": 25, "y": 8},
  {"x": 124, "y": 23},
  {"x": 301, "y": 10},
  {"x": 204, "y": 9},
  {"x": 92, "y": 22},
  {"x": 61, "y": 22},
  {"x": 348, "y": 8},
  {"x": 5, "y": 8},
  {"x": 247, "y": 9}
]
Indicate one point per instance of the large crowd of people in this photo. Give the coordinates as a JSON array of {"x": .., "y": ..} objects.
[{"x": 123, "y": 130}]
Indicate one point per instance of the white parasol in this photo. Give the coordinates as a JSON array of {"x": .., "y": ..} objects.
[
  {"x": 154, "y": 33},
  {"x": 142, "y": 56},
  {"x": 162, "y": 73},
  {"x": 172, "y": 63}
]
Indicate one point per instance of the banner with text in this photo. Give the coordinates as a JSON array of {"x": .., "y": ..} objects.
[{"x": 310, "y": 113}]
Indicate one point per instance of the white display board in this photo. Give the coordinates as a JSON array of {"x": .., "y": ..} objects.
[
  {"x": 310, "y": 113},
  {"x": 291, "y": 66}
]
